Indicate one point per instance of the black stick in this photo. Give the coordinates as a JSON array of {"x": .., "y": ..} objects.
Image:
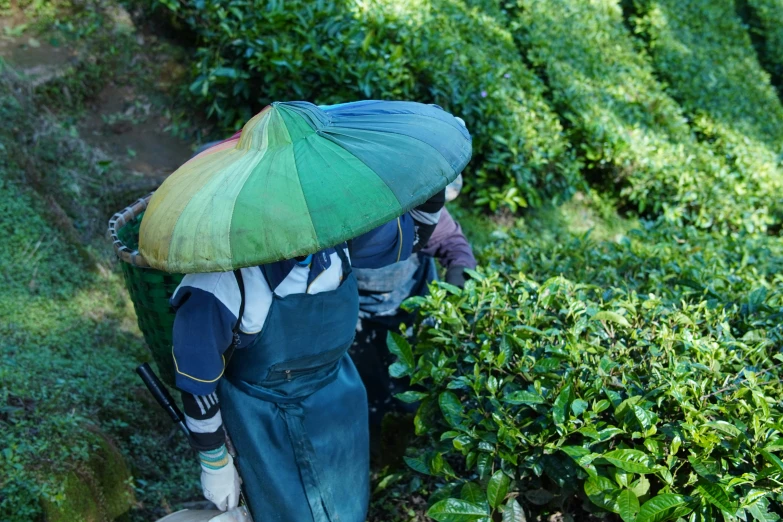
[{"x": 161, "y": 394}]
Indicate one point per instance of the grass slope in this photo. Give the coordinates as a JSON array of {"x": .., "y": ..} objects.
[{"x": 80, "y": 439}]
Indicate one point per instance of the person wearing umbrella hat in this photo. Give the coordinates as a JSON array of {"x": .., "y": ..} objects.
[
  {"x": 382, "y": 291},
  {"x": 381, "y": 294},
  {"x": 263, "y": 350}
]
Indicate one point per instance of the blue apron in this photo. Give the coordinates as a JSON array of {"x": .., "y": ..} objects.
[{"x": 296, "y": 410}]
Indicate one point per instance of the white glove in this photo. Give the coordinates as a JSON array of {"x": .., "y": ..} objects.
[
  {"x": 221, "y": 486},
  {"x": 238, "y": 514}
]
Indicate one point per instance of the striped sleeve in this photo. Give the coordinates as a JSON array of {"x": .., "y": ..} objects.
[{"x": 203, "y": 419}]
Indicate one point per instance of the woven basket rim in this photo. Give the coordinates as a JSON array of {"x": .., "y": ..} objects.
[{"x": 119, "y": 220}]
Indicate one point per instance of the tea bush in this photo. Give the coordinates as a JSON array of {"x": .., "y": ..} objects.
[
  {"x": 634, "y": 136},
  {"x": 439, "y": 51},
  {"x": 768, "y": 21},
  {"x": 643, "y": 382},
  {"x": 704, "y": 53},
  {"x": 521, "y": 138}
]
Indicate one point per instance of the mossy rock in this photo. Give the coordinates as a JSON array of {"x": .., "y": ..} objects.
[
  {"x": 79, "y": 503},
  {"x": 96, "y": 492}
]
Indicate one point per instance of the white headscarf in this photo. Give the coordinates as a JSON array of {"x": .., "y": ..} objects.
[{"x": 453, "y": 189}]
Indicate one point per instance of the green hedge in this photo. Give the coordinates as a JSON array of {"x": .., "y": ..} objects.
[
  {"x": 644, "y": 382},
  {"x": 251, "y": 53},
  {"x": 518, "y": 137},
  {"x": 633, "y": 135},
  {"x": 769, "y": 16},
  {"x": 704, "y": 53}
]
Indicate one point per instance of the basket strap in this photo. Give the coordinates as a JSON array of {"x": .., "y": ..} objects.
[
  {"x": 235, "y": 338},
  {"x": 241, "y": 283}
]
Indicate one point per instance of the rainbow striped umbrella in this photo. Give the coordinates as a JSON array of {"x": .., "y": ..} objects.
[{"x": 298, "y": 179}]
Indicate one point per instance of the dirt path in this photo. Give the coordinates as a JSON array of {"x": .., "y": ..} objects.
[
  {"x": 126, "y": 126},
  {"x": 125, "y": 121}
]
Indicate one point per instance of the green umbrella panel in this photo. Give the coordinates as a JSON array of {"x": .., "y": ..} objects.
[{"x": 301, "y": 178}]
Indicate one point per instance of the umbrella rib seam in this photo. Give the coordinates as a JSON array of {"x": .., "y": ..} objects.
[
  {"x": 258, "y": 161},
  {"x": 304, "y": 197},
  {"x": 453, "y": 167},
  {"x": 399, "y": 203},
  {"x": 370, "y": 168},
  {"x": 174, "y": 229},
  {"x": 458, "y": 127}
]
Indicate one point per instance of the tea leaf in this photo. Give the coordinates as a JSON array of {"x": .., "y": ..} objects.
[
  {"x": 716, "y": 495},
  {"x": 451, "y": 408},
  {"x": 603, "y": 492},
  {"x": 400, "y": 347},
  {"x": 497, "y": 487},
  {"x": 612, "y": 317},
  {"x": 513, "y": 512},
  {"x": 560, "y": 407},
  {"x": 417, "y": 464},
  {"x": 774, "y": 460},
  {"x": 473, "y": 493},
  {"x": 523, "y": 397},
  {"x": 633, "y": 461},
  {"x": 410, "y": 396},
  {"x": 453, "y": 510},
  {"x": 663, "y": 507},
  {"x": 628, "y": 505}
]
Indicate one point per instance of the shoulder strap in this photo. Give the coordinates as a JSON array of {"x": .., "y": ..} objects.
[
  {"x": 347, "y": 269},
  {"x": 235, "y": 331},
  {"x": 266, "y": 277},
  {"x": 241, "y": 284}
]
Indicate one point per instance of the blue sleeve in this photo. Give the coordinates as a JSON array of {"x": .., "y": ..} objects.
[
  {"x": 385, "y": 245},
  {"x": 202, "y": 332}
]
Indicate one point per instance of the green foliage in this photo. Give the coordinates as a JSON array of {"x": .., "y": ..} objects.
[
  {"x": 699, "y": 157},
  {"x": 768, "y": 18},
  {"x": 643, "y": 379},
  {"x": 435, "y": 51},
  {"x": 634, "y": 137},
  {"x": 637, "y": 376},
  {"x": 705, "y": 54},
  {"x": 517, "y": 137},
  {"x": 42, "y": 9}
]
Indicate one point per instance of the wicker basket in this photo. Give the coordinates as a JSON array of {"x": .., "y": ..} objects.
[{"x": 150, "y": 289}]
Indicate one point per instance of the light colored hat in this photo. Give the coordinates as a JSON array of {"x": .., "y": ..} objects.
[
  {"x": 453, "y": 189},
  {"x": 238, "y": 514}
]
